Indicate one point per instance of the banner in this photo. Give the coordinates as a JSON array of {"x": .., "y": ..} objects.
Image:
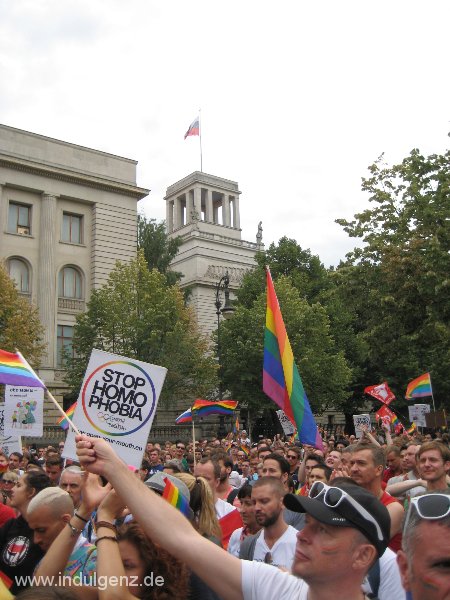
[
  {"x": 24, "y": 411},
  {"x": 117, "y": 401},
  {"x": 359, "y": 422},
  {"x": 285, "y": 422},
  {"x": 417, "y": 414},
  {"x": 381, "y": 392},
  {"x": 8, "y": 443}
]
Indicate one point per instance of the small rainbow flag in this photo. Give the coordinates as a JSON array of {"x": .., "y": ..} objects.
[
  {"x": 173, "y": 496},
  {"x": 419, "y": 387},
  {"x": 63, "y": 422},
  {"x": 236, "y": 425},
  {"x": 244, "y": 449},
  {"x": 14, "y": 370},
  {"x": 412, "y": 429},
  {"x": 185, "y": 417},
  {"x": 204, "y": 408}
]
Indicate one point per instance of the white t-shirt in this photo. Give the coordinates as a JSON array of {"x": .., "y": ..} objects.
[
  {"x": 265, "y": 582},
  {"x": 390, "y": 582},
  {"x": 282, "y": 551},
  {"x": 223, "y": 508},
  {"x": 234, "y": 545}
]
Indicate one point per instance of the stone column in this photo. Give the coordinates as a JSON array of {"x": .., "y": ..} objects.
[
  {"x": 236, "y": 215},
  {"x": 176, "y": 213},
  {"x": 189, "y": 207},
  {"x": 47, "y": 285},
  {"x": 169, "y": 216},
  {"x": 209, "y": 216},
  {"x": 198, "y": 202},
  {"x": 226, "y": 210}
]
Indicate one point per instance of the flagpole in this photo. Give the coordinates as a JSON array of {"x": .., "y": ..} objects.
[
  {"x": 193, "y": 438},
  {"x": 200, "y": 138}
]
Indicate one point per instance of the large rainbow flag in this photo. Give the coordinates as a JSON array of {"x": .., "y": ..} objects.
[
  {"x": 281, "y": 379},
  {"x": 204, "y": 408},
  {"x": 14, "y": 370},
  {"x": 419, "y": 387}
]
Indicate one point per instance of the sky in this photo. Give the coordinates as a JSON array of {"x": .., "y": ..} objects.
[{"x": 297, "y": 98}]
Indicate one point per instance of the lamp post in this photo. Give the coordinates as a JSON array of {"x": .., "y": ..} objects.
[{"x": 226, "y": 310}]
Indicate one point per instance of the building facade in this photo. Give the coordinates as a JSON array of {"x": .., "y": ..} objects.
[{"x": 67, "y": 214}]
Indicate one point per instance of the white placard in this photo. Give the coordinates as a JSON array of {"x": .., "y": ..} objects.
[
  {"x": 24, "y": 411},
  {"x": 8, "y": 443},
  {"x": 117, "y": 401},
  {"x": 286, "y": 424},
  {"x": 417, "y": 414},
  {"x": 361, "y": 421}
]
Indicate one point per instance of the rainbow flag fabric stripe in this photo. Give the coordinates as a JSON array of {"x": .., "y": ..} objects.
[
  {"x": 419, "y": 387},
  {"x": 204, "y": 408},
  {"x": 244, "y": 449},
  {"x": 63, "y": 422},
  {"x": 281, "y": 379},
  {"x": 14, "y": 370},
  {"x": 185, "y": 417},
  {"x": 174, "y": 497}
]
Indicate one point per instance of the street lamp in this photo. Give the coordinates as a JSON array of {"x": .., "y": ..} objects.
[{"x": 226, "y": 310}]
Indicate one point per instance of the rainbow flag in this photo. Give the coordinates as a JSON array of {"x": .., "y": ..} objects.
[
  {"x": 174, "y": 497},
  {"x": 244, "y": 449},
  {"x": 63, "y": 422},
  {"x": 236, "y": 425},
  {"x": 14, "y": 370},
  {"x": 419, "y": 387},
  {"x": 281, "y": 379},
  {"x": 185, "y": 417},
  {"x": 204, "y": 408},
  {"x": 412, "y": 429}
]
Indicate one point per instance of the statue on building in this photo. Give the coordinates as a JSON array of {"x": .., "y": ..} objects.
[
  {"x": 195, "y": 218},
  {"x": 259, "y": 234}
]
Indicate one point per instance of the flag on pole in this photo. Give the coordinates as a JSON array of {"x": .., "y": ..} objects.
[
  {"x": 236, "y": 425},
  {"x": 381, "y": 392},
  {"x": 14, "y": 370},
  {"x": 281, "y": 379},
  {"x": 419, "y": 387},
  {"x": 204, "y": 408},
  {"x": 63, "y": 422},
  {"x": 194, "y": 128},
  {"x": 387, "y": 416},
  {"x": 185, "y": 417},
  {"x": 412, "y": 429}
]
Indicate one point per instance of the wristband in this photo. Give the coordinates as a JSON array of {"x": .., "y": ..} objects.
[
  {"x": 106, "y": 524},
  {"x": 75, "y": 514},
  {"x": 74, "y": 530},
  {"x": 105, "y": 537}
]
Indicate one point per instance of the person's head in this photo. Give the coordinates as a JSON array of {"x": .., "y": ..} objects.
[
  {"x": 53, "y": 467},
  {"x": 334, "y": 459},
  {"x": 311, "y": 461},
  {"x": 393, "y": 458},
  {"x": 226, "y": 466},
  {"x": 367, "y": 464},
  {"x": 424, "y": 557},
  {"x": 143, "y": 470},
  {"x": 180, "y": 449},
  {"x": 28, "y": 485},
  {"x": 172, "y": 467},
  {"x": 346, "y": 529},
  {"x": 8, "y": 481},
  {"x": 141, "y": 558},
  {"x": 202, "y": 505},
  {"x": 247, "y": 507},
  {"x": 293, "y": 457},
  {"x": 48, "y": 512},
  {"x": 70, "y": 482},
  {"x": 154, "y": 456},
  {"x": 320, "y": 472},
  {"x": 277, "y": 466},
  {"x": 246, "y": 468},
  {"x": 267, "y": 496},
  {"x": 15, "y": 458},
  {"x": 209, "y": 470},
  {"x": 409, "y": 458},
  {"x": 3, "y": 462},
  {"x": 433, "y": 461},
  {"x": 61, "y": 447},
  {"x": 263, "y": 451}
]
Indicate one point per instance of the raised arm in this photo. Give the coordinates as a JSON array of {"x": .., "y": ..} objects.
[{"x": 218, "y": 569}]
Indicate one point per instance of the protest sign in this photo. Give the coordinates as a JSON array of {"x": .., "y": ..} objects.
[
  {"x": 417, "y": 414},
  {"x": 286, "y": 424},
  {"x": 361, "y": 421},
  {"x": 8, "y": 443},
  {"x": 24, "y": 410},
  {"x": 117, "y": 401}
]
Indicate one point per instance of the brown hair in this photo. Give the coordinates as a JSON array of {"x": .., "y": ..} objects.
[{"x": 435, "y": 445}]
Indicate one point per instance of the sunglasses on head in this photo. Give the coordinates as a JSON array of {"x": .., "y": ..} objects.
[
  {"x": 429, "y": 506},
  {"x": 333, "y": 496}
]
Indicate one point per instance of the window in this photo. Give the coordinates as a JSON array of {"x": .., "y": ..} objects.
[
  {"x": 19, "y": 273},
  {"x": 19, "y": 218},
  {"x": 69, "y": 283},
  {"x": 64, "y": 344},
  {"x": 72, "y": 228}
]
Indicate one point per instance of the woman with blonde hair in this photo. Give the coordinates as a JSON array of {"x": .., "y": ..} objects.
[{"x": 202, "y": 504}]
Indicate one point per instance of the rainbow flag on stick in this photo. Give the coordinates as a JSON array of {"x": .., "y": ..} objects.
[
  {"x": 63, "y": 422},
  {"x": 281, "y": 379},
  {"x": 174, "y": 497},
  {"x": 204, "y": 408},
  {"x": 244, "y": 449},
  {"x": 14, "y": 370},
  {"x": 419, "y": 387}
]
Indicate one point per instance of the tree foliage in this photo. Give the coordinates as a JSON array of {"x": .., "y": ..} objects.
[
  {"x": 20, "y": 326},
  {"x": 136, "y": 314},
  {"x": 159, "y": 250}
]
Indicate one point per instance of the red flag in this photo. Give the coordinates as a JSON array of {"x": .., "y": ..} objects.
[
  {"x": 381, "y": 392},
  {"x": 387, "y": 416},
  {"x": 229, "y": 523}
]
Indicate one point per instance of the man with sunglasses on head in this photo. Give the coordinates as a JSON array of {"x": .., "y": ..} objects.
[
  {"x": 347, "y": 528},
  {"x": 424, "y": 559}
]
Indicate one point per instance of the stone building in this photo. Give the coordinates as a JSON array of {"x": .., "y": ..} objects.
[{"x": 67, "y": 213}]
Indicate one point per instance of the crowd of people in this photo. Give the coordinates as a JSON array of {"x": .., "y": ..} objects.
[{"x": 360, "y": 518}]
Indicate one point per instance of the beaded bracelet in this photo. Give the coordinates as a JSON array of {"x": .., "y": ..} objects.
[
  {"x": 106, "y": 524},
  {"x": 105, "y": 537}
]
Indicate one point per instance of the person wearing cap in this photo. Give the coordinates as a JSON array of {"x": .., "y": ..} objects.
[
  {"x": 346, "y": 531},
  {"x": 424, "y": 559}
]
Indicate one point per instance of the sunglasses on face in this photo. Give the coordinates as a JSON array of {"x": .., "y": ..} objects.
[
  {"x": 429, "y": 506},
  {"x": 333, "y": 496}
]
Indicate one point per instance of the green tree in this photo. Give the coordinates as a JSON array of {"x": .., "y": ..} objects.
[
  {"x": 323, "y": 368},
  {"x": 159, "y": 250},
  {"x": 398, "y": 282},
  {"x": 20, "y": 326},
  {"x": 136, "y": 314}
]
